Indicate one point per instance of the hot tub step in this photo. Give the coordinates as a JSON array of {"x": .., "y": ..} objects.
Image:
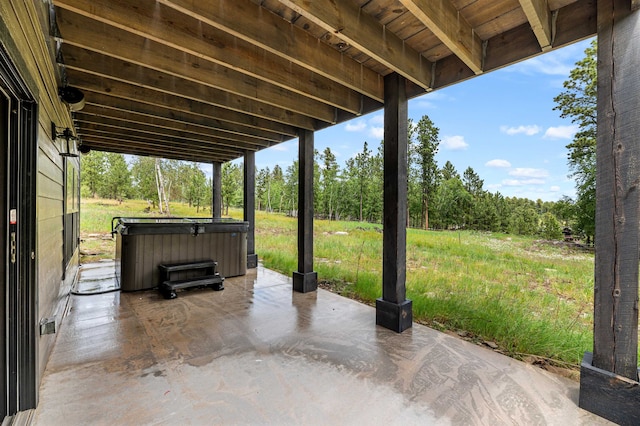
[
  {"x": 168, "y": 288},
  {"x": 175, "y": 267}
]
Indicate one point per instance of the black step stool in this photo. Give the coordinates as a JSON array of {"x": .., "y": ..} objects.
[{"x": 211, "y": 277}]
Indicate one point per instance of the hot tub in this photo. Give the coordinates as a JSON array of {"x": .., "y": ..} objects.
[{"x": 144, "y": 243}]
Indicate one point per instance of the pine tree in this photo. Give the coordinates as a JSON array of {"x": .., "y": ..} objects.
[
  {"x": 578, "y": 101},
  {"x": 426, "y": 147},
  {"x": 93, "y": 167}
]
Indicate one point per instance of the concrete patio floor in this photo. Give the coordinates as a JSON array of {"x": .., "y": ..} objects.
[{"x": 257, "y": 353}]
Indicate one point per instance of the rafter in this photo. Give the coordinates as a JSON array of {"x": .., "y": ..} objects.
[
  {"x": 112, "y": 87},
  {"x": 213, "y": 117},
  {"x": 273, "y": 34},
  {"x": 365, "y": 33},
  {"x": 101, "y": 65},
  {"x": 91, "y": 114},
  {"x": 163, "y": 140},
  {"x": 229, "y": 62},
  {"x": 444, "y": 20},
  {"x": 124, "y": 146},
  {"x": 299, "y": 48},
  {"x": 539, "y": 17},
  {"x": 86, "y": 120}
]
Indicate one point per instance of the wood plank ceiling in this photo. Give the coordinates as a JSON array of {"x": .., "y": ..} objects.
[{"x": 209, "y": 80}]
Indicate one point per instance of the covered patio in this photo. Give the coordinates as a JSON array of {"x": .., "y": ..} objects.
[
  {"x": 218, "y": 81},
  {"x": 258, "y": 353}
]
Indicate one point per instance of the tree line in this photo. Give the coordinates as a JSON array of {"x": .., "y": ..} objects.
[
  {"x": 438, "y": 198},
  {"x": 108, "y": 175}
]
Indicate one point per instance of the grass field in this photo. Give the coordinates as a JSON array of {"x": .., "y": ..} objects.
[{"x": 529, "y": 299}]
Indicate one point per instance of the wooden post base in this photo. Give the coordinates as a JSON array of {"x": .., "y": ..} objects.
[
  {"x": 396, "y": 317},
  {"x": 305, "y": 282},
  {"x": 608, "y": 395}
]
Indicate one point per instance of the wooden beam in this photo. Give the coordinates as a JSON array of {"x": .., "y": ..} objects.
[
  {"x": 615, "y": 347},
  {"x": 249, "y": 206},
  {"x": 93, "y": 83},
  {"x": 216, "y": 64},
  {"x": 609, "y": 383},
  {"x": 393, "y": 309},
  {"x": 92, "y": 114},
  {"x": 277, "y": 36},
  {"x": 305, "y": 279},
  {"x": 99, "y": 143},
  {"x": 87, "y": 121},
  {"x": 167, "y": 142},
  {"x": 348, "y": 22},
  {"x": 216, "y": 201},
  {"x": 444, "y": 20},
  {"x": 216, "y": 117},
  {"x": 539, "y": 17},
  {"x": 238, "y": 88},
  {"x": 576, "y": 21}
]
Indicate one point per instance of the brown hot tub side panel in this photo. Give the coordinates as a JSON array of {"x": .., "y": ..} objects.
[{"x": 138, "y": 253}]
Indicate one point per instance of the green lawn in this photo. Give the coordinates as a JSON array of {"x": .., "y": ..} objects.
[{"x": 533, "y": 299}]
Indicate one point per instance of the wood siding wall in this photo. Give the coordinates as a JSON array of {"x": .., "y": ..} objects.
[{"x": 24, "y": 34}]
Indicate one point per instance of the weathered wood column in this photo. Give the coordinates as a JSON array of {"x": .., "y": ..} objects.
[
  {"x": 609, "y": 378},
  {"x": 216, "y": 209},
  {"x": 250, "y": 206},
  {"x": 393, "y": 311},
  {"x": 305, "y": 279}
]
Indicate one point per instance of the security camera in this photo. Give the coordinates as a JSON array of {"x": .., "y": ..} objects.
[{"x": 72, "y": 97}]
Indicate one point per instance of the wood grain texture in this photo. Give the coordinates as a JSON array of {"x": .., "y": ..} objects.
[
  {"x": 279, "y": 37},
  {"x": 368, "y": 35},
  {"x": 212, "y": 57},
  {"x": 445, "y": 21},
  {"x": 617, "y": 190},
  {"x": 539, "y": 17}
]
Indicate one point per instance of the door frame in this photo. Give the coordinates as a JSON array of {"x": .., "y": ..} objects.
[{"x": 19, "y": 286}]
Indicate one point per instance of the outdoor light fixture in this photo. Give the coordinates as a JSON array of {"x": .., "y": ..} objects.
[
  {"x": 70, "y": 148},
  {"x": 72, "y": 97}
]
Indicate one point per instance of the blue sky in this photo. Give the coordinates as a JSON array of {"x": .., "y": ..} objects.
[{"x": 501, "y": 123}]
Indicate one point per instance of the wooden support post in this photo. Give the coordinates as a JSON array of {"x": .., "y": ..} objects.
[
  {"x": 609, "y": 383},
  {"x": 393, "y": 311},
  {"x": 305, "y": 279},
  {"x": 250, "y": 206},
  {"x": 216, "y": 208}
]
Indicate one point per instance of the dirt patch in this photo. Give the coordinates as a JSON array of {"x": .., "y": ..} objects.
[{"x": 96, "y": 247}]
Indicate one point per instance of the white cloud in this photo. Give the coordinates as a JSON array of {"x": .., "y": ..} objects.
[
  {"x": 377, "y": 119},
  {"x": 545, "y": 64},
  {"x": 423, "y": 103},
  {"x": 528, "y": 130},
  {"x": 561, "y": 132},
  {"x": 554, "y": 188},
  {"x": 280, "y": 147},
  {"x": 355, "y": 126},
  {"x": 522, "y": 182},
  {"x": 558, "y": 62},
  {"x": 528, "y": 172},
  {"x": 377, "y": 132},
  {"x": 498, "y": 163},
  {"x": 430, "y": 100},
  {"x": 454, "y": 143}
]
